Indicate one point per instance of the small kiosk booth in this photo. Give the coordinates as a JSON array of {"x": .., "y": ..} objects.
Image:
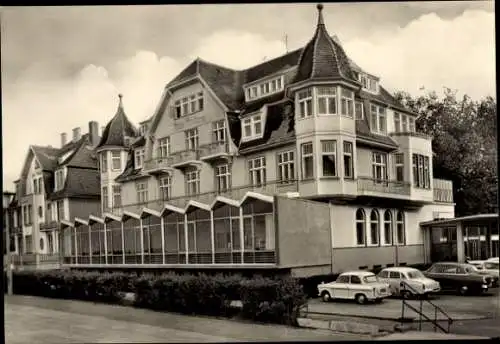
[{"x": 474, "y": 237}]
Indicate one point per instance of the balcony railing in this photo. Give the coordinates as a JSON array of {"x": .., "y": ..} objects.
[
  {"x": 29, "y": 259},
  {"x": 179, "y": 158},
  {"x": 213, "y": 150},
  {"x": 236, "y": 193},
  {"x": 48, "y": 225},
  {"x": 158, "y": 164},
  {"x": 412, "y": 134},
  {"x": 371, "y": 185},
  {"x": 443, "y": 190}
]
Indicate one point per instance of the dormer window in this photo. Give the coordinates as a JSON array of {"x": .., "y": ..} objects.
[
  {"x": 188, "y": 105},
  {"x": 252, "y": 127},
  {"x": 59, "y": 180},
  {"x": 369, "y": 83},
  {"x": 378, "y": 119},
  {"x": 139, "y": 157},
  {"x": 264, "y": 88}
]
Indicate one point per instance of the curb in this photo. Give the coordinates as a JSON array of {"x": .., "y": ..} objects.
[{"x": 340, "y": 326}]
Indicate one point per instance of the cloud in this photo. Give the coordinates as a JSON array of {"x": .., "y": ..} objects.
[
  {"x": 429, "y": 51},
  {"x": 434, "y": 53}
]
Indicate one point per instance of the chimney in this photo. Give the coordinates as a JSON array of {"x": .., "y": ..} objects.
[
  {"x": 93, "y": 133},
  {"x": 77, "y": 132},
  {"x": 64, "y": 138}
]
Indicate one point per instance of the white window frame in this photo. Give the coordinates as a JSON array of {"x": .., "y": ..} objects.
[
  {"x": 378, "y": 112},
  {"x": 188, "y": 105},
  {"x": 264, "y": 88},
  {"x": 219, "y": 131},
  {"x": 327, "y": 152},
  {"x": 362, "y": 222},
  {"x": 348, "y": 153},
  {"x": 165, "y": 185},
  {"x": 59, "y": 179},
  {"x": 411, "y": 124},
  {"x": 192, "y": 182},
  {"x": 139, "y": 157},
  {"x": 305, "y": 103},
  {"x": 377, "y": 223},
  {"x": 397, "y": 122},
  {"x": 117, "y": 193},
  {"x": 116, "y": 158},
  {"x": 400, "y": 225},
  {"x": 105, "y": 198},
  {"x": 399, "y": 164},
  {"x": 346, "y": 103},
  {"x": 306, "y": 153},
  {"x": 164, "y": 147},
  {"x": 192, "y": 139},
  {"x": 359, "y": 115},
  {"x": 257, "y": 170},
  {"x": 253, "y": 122},
  {"x": 388, "y": 230},
  {"x": 141, "y": 189},
  {"x": 223, "y": 177},
  {"x": 104, "y": 162},
  {"x": 286, "y": 167},
  {"x": 404, "y": 123},
  {"x": 328, "y": 96},
  {"x": 379, "y": 164}
]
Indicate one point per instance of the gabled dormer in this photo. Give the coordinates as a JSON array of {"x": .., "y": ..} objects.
[
  {"x": 253, "y": 124},
  {"x": 59, "y": 178}
]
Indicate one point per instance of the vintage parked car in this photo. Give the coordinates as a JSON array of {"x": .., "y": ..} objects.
[
  {"x": 463, "y": 278},
  {"x": 486, "y": 267},
  {"x": 408, "y": 282},
  {"x": 361, "y": 286}
]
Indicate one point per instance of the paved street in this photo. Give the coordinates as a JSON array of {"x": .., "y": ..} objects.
[
  {"x": 458, "y": 307},
  {"x": 31, "y": 319},
  {"x": 473, "y": 315}
]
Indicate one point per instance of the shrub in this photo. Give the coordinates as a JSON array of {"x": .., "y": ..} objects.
[
  {"x": 264, "y": 299},
  {"x": 276, "y": 301}
]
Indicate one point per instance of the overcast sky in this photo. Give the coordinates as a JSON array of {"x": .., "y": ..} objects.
[{"x": 64, "y": 66}]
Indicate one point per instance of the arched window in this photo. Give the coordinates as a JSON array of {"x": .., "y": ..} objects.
[
  {"x": 388, "y": 227},
  {"x": 400, "y": 225},
  {"x": 360, "y": 227},
  {"x": 374, "y": 230}
]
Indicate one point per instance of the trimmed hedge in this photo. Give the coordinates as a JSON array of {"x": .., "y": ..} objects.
[{"x": 275, "y": 300}]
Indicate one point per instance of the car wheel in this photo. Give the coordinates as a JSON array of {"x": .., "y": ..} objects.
[
  {"x": 462, "y": 290},
  {"x": 405, "y": 294},
  {"x": 361, "y": 298},
  {"x": 326, "y": 297}
]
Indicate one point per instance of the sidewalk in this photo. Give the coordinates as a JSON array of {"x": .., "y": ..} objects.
[
  {"x": 419, "y": 335},
  {"x": 43, "y": 320}
]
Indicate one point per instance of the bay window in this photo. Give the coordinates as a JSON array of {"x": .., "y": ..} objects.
[
  {"x": 399, "y": 166},
  {"x": 104, "y": 162},
  {"x": 379, "y": 167},
  {"x": 397, "y": 122},
  {"x": 304, "y": 103},
  {"x": 307, "y": 160},
  {"x": 326, "y": 100},
  {"x": 286, "y": 167},
  {"x": 117, "y": 196},
  {"x": 348, "y": 160},
  {"x": 347, "y": 103},
  {"x": 329, "y": 158},
  {"x": 116, "y": 161},
  {"x": 421, "y": 171}
]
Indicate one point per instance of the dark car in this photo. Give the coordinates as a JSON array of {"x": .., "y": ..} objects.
[{"x": 459, "y": 277}]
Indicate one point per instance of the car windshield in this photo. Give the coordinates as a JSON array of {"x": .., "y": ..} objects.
[
  {"x": 370, "y": 279},
  {"x": 491, "y": 266},
  {"x": 415, "y": 274}
]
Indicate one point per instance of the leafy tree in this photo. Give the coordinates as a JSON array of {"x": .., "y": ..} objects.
[{"x": 464, "y": 135}]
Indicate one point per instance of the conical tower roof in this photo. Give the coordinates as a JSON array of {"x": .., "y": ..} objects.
[
  {"x": 117, "y": 129},
  {"x": 323, "y": 58}
]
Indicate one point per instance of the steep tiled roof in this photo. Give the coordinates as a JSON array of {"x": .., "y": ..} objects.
[
  {"x": 138, "y": 142},
  {"x": 258, "y": 104},
  {"x": 130, "y": 171},
  {"x": 117, "y": 129},
  {"x": 323, "y": 57},
  {"x": 80, "y": 183},
  {"x": 46, "y": 156}
]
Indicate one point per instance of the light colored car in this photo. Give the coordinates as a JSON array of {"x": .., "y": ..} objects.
[
  {"x": 489, "y": 266},
  {"x": 361, "y": 286},
  {"x": 408, "y": 282}
]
